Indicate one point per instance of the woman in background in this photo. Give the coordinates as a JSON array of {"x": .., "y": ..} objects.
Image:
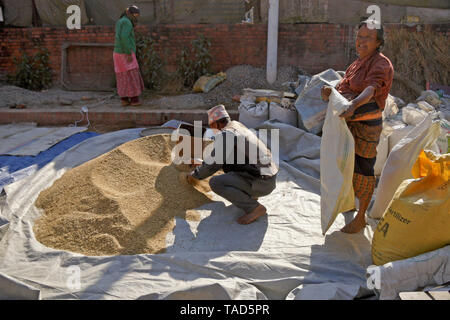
[
  {"x": 366, "y": 85},
  {"x": 128, "y": 77}
]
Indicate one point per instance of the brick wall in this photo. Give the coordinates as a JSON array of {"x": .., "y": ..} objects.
[
  {"x": 14, "y": 40},
  {"x": 312, "y": 47}
]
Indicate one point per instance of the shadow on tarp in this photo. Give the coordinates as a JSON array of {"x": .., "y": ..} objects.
[
  {"x": 222, "y": 243},
  {"x": 298, "y": 152},
  {"x": 14, "y": 168},
  {"x": 338, "y": 267},
  {"x": 218, "y": 232}
]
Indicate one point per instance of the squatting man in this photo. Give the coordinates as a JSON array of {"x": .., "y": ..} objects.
[{"x": 247, "y": 175}]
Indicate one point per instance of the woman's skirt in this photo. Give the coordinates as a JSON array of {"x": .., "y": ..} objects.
[
  {"x": 128, "y": 77},
  {"x": 367, "y": 136}
]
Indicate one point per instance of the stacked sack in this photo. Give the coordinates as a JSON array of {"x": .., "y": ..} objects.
[
  {"x": 309, "y": 104},
  {"x": 284, "y": 112},
  {"x": 400, "y": 119},
  {"x": 413, "y": 198},
  {"x": 259, "y": 106}
]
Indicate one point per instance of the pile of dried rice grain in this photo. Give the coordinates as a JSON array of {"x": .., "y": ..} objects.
[{"x": 121, "y": 203}]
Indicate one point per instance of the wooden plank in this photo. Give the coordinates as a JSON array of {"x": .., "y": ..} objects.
[
  {"x": 414, "y": 296},
  {"x": 439, "y": 295}
]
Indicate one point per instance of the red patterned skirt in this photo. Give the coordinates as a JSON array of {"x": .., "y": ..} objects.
[
  {"x": 129, "y": 83},
  {"x": 367, "y": 136}
]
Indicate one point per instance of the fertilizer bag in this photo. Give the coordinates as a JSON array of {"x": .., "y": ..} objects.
[
  {"x": 337, "y": 160},
  {"x": 400, "y": 161},
  {"x": 418, "y": 218}
]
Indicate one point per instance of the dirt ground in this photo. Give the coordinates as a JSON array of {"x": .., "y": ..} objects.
[
  {"x": 101, "y": 128},
  {"x": 105, "y": 128},
  {"x": 172, "y": 96}
]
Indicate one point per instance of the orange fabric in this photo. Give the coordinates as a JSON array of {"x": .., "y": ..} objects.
[
  {"x": 375, "y": 70},
  {"x": 367, "y": 116},
  {"x": 366, "y": 138},
  {"x": 364, "y": 186}
]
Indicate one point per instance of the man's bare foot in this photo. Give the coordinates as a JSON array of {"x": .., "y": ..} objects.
[
  {"x": 253, "y": 216},
  {"x": 356, "y": 225}
]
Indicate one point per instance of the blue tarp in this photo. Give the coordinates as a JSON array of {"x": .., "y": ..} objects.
[{"x": 14, "y": 168}]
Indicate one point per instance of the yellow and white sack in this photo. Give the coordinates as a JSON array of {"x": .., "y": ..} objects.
[
  {"x": 207, "y": 83},
  {"x": 418, "y": 218}
]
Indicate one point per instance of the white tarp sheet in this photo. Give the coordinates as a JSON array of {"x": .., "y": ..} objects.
[
  {"x": 281, "y": 256},
  {"x": 28, "y": 140}
]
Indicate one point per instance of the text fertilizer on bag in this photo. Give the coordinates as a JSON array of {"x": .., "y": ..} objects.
[
  {"x": 337, "y": 160},
  {"x": 418, "y": 218}
]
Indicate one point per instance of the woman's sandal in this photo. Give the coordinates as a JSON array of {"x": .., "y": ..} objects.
[{"x": 125, "y": 103}]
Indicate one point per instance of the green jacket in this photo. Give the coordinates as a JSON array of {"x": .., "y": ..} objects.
[{"x": 125, "y": 41}]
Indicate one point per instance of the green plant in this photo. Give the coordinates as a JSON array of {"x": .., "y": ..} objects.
[
  {"x": 186, "y": 68},
  {"x": 32, "y": 72},
  {"x": 150, "y": 62},
  {"x": 196, "y": 61}
]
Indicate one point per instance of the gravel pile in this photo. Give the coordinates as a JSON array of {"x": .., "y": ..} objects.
[
  {"x": 185, "y": 101},
  {"x": 246, "y": 76}
]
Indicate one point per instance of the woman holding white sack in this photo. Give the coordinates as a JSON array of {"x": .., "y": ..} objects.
[{"x": 366, "y": 85}]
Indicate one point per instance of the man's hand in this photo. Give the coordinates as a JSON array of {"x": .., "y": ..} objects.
[
  {"x": 130, "y": 58},
  {"x": 350, "y": 111},
  {"x": 326, "y": 91}
]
